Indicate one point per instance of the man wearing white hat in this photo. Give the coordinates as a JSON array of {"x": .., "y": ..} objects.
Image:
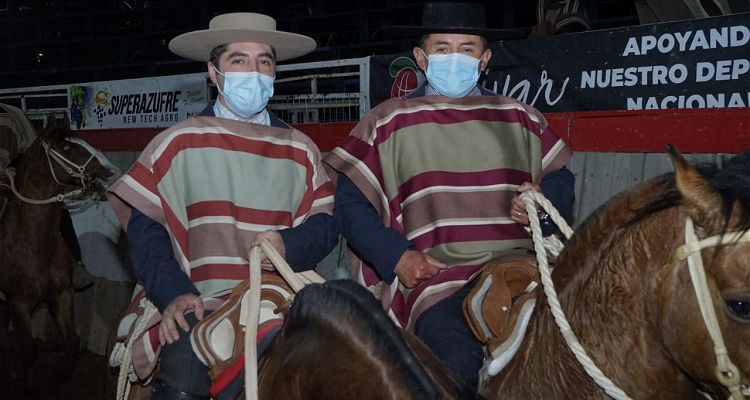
[{"x": 208, "y": 189}]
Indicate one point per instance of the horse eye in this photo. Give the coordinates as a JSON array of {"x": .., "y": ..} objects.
[{"x": 741, "y": 309}]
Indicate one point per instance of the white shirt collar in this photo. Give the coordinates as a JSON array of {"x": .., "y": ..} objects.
[{"x": 262, "y": 118}]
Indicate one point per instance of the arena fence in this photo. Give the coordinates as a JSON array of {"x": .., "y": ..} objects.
[{"x": 306, "y": 93}]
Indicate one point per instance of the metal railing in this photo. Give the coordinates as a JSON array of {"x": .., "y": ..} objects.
[
  {"x": 315, "y": 92},
  {"x": 336, "y": 91}
]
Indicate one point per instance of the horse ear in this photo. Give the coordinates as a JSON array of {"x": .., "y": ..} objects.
[
  {"x": 703, "y": 203},
  {"x": 51, "y": 121},
  {"x": 49, "y": 127},
  {"x": 66, "y": 121}
]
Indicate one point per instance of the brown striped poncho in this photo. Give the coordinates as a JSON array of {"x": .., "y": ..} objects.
[
  {"x": 214, "y": 184},
  {"x": 442, "y": 172}
]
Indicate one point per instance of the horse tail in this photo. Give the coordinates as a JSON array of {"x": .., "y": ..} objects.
[{"x": 338, "y": 301}]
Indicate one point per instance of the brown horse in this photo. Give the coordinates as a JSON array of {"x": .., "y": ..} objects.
[
  {"x": 35, "y": 263},
  {"x": 338, "y": 343},
  {"x": 630, "y": 300}
]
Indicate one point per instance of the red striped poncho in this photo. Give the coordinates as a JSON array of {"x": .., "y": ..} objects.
[
  {"x": 214, "y": 184},
  {"x": 442, "y": 172}
]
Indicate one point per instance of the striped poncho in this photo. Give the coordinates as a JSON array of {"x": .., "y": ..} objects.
[
  {"x": 443, "y": 172},
  {"x": 16, "y": 133},
  {"x": 214, "y": 184}
]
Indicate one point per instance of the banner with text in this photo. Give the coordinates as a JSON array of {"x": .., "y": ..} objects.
[
  {"x": 701, "y": 63},
  {"x": 138, "y": 103}
]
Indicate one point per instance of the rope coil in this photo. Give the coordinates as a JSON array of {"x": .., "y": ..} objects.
[{"x": 122, "y": 353}]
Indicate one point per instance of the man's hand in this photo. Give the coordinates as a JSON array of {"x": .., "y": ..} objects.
[
  {"x": 415, "y": 267},
  {"x": 276, "y": 242},
  {"x": 518, "y": 209},
  {"x": 174, "y": 315}
]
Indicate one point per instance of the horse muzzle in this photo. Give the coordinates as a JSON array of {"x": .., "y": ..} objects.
[{"x": 104, "y": 178}]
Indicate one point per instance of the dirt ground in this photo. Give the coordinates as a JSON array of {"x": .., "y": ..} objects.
[{"x": 54, "y": 375}]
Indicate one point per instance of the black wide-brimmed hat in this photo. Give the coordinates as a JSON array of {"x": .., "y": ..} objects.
[{"x": 464, "y": 18}]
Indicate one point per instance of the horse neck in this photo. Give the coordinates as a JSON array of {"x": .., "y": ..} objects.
[
  {"x": 366, "y": 355},
  {"x": 611, "y": 298},
  {"x": 34, "y": 178}
]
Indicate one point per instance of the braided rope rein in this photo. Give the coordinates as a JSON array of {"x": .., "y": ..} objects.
[
  {"x": 58, "y": 198},
  {"x": 528, "y": 198},
  {"x": 122, "y": 352},
  {"x": 296, "y": 280},
  {"x": 53, "y": 199}
]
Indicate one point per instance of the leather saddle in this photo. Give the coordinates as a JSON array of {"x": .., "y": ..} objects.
[
  {"x": 493, "y": 307},
  {"x": 219, "y": 340}
]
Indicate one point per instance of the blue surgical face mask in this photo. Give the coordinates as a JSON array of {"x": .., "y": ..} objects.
[
  {"x": 246, "y": 93},
  {"x": 452, "y": 75}
]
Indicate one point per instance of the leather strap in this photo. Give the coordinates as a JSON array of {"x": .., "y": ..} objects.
[{"x": 160, "y": 391}]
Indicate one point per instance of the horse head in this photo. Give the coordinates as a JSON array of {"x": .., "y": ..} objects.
[
  {"x": 72, "y": 161},
  {"x": 712, "y": 346}
]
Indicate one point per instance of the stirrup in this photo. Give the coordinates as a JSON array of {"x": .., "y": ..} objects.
[{"x": 81, "y": 278}]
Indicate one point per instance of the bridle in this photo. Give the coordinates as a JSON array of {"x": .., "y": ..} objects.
[
  {"x": 66, "y": 164},
  {"x": 726, "y": 372},
  {"x": 73, "y": 169}
]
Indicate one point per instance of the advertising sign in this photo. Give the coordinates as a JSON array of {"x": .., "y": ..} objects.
[
  {"x": 158, "y": 102},
  {"x": 700, "y": 63}
]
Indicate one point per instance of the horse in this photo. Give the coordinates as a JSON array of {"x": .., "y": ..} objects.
[
  {"x": 338, "y": 343},
  {"x": 630, "y": 300},
  {"x": 35, "y": 263}
]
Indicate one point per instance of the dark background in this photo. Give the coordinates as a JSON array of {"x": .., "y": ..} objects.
[{"x": 51, "y": 42}]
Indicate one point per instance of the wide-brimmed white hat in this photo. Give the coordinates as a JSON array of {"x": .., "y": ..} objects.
[{"x": 241, "y": 27}]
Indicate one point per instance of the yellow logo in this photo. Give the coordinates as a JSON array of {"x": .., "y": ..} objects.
[{"x": 102, "y": 98}]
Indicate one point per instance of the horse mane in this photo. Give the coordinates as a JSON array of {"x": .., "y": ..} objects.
[
  {"x": 621, "y": 213},
  {"x": 732, "y": 183},
  {"x": 337, "y": 302}
]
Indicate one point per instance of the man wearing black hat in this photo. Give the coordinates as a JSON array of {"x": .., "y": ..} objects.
[{"x": 428, "y": 185}]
